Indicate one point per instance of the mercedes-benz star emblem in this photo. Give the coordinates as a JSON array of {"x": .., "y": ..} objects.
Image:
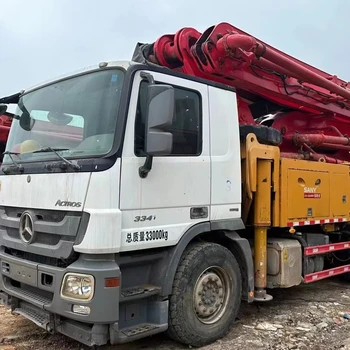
[{"x": 26, "y": 228}]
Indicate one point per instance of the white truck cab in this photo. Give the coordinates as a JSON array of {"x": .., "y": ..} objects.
[{"x": 110, "y": 173}]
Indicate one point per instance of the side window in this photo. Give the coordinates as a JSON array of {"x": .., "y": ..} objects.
[{"x": 186, "y": 127}]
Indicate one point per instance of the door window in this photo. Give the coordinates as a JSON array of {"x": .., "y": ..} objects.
[{"x": 186, "y": 127}]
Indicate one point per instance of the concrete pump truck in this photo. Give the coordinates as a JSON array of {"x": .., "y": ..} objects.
[{"x": 158, "y": 194}]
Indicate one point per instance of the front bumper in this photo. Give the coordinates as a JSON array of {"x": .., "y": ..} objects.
[
  {"x": 117, "y": 315},
  {"x": 33, "y": 290},
  {"x": 95, "y": 334}
]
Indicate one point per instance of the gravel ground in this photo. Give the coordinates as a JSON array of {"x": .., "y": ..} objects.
[{"x": 306, "y": 317}]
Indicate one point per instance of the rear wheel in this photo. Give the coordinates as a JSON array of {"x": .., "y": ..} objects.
[{"x": 206, "y": 295}]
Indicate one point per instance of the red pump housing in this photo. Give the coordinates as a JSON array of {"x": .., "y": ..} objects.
[{"x": 310, "y": 108}]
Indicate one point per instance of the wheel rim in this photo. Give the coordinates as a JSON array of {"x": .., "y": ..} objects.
[{"x": 211, "y": 294}]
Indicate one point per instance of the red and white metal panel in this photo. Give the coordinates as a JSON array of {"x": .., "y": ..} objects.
[
  {"x": 326, "y": 248},
  {"x": 316, "y": 222},
  {"x": 316, "y": 276}
]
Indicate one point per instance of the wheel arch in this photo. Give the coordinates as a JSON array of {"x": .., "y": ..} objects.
[{"x": 216, "y": 232}]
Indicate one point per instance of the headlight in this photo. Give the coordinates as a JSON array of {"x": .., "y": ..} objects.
[{"x": 77, "y": 287}]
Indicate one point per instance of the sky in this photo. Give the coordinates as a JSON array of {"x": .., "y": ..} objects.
[{"x": 43, "y": 39}]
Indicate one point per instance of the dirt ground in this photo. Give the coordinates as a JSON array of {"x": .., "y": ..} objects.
[{"x": 306, "y": 317}]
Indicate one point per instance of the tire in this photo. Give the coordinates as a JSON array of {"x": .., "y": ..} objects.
[
  {"x": 265, "y": 135},
  {"x": 204, "y": 265}
]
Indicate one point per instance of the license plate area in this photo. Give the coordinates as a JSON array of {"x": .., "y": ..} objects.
[{"x": 20, "y": 273}]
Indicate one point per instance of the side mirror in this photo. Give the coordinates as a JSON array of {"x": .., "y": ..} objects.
[
  {"x": 26, "y": 122},
  {"x": 160, "y": 114},
  {"x": 3, "y": 109}
]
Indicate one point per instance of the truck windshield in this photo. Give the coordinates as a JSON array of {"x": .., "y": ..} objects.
[{"x": 75, "y": 117}]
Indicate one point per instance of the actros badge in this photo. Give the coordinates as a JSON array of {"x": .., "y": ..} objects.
[{"x": 67, "y": 204}]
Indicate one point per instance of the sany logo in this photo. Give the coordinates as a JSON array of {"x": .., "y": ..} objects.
[
  {"x": 310, "y": 189},
  {"x": 310, "y": 192}
]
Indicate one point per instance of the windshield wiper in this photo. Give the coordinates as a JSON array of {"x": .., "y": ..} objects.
[
  {"x": 17, "y": 166},
  {"x": 56, "y": 150}
]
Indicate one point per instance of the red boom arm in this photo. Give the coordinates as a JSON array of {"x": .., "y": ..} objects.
[
  {"x": 310, "y": 102},
  {"x": 5, "y": 124}
]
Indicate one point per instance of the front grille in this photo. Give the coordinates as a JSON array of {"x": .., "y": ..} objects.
[
  {"x": 40, "y": 259},
  {"x": 56, "y": 232},
  {"x": 41, "y": 214},
  {"x": 41, "y": 237}
]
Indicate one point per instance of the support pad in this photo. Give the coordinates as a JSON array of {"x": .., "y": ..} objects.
[{"x": 262, "y": 296}]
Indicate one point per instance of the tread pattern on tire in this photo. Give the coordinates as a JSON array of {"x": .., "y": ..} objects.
[{"x": 177, "y": 330}]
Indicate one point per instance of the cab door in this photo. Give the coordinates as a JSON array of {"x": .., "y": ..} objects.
[{"x": 158, "y": 209}]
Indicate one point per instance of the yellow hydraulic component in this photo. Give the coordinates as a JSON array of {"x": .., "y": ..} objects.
[
  {"x": 262, "y": 220},
  {"x": 286, "y": 193},
  {"x": 251, "y": 152},
  {"x": 261, "y": 179},
  {"x": 260, "y": 261}
]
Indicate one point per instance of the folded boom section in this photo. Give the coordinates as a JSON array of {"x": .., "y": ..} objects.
[{"x": 273, "y": 88}]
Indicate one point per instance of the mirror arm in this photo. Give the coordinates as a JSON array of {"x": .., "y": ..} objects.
[
  {"x": 148, "y": 77},
  {"x": 146, "y": 168}
]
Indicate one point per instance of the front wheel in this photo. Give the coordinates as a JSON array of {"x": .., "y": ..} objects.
[{"x": 206, "y": 295}]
